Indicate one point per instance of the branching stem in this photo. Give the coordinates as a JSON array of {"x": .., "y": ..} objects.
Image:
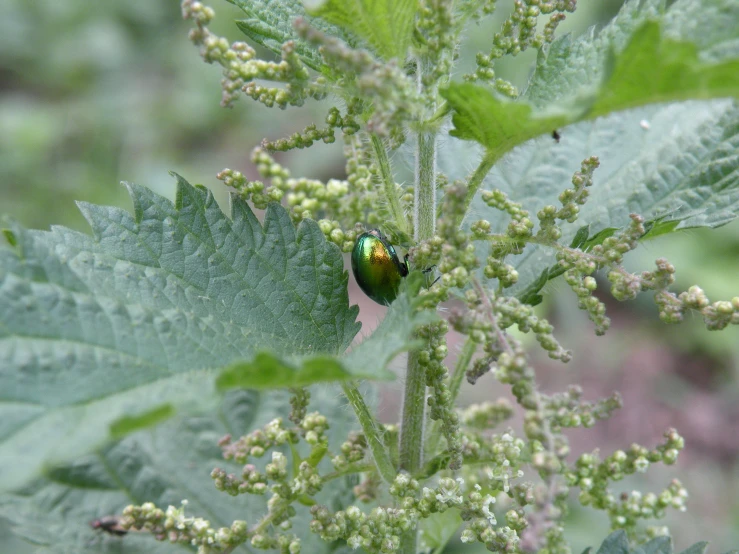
[
  {"x": 372, "y": 432},
  {"x": 476, "y": 179},
  {"x": 388, "y": 184},
  {"x": 463, "y": 361}
]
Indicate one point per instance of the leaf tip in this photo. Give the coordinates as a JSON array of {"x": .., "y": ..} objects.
[
  {"x": 130, "y": 423},
  {"x": 10, "y": 237}
]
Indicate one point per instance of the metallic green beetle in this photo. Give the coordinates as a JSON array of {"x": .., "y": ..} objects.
[{"x": 376, "y": 267}]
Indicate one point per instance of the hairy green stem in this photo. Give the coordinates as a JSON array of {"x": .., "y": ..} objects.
[
  {"x": 388, "y": 184},
  {"x": 372, "y": 432},
  {"x": 414, "y": 407},
  {"x": 411, "y": 433},
  {"x": 424, "y": 217},
  {"x": 424, "y": 228}
]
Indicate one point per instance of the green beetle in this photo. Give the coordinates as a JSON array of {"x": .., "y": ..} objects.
[{"x": 376, "y": 267}]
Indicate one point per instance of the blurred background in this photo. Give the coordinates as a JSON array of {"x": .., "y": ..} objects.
[{"x": 94, "y": 93}]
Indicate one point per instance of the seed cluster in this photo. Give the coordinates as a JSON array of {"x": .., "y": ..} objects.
[
  {"x": 241, "y": 68},
  {"x": 518, "y": 34},
  {"x": 593, "y": 477},
  {"x": 383, "y": 85},
  {"x": 173, "y": 525}
]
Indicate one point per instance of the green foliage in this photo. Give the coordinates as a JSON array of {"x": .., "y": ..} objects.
[
  {"x": 146, "y": 321},
  {"x": 367, "y": 360},
  {"x": 635, "y": 80},
  {"x": 575, "y": 69},
  {"x": 270, "y": 24},
  {"x": 496, "y": 124},
  {"x": 678, "y": 74},
  {"x": 162, "y": 298},
  {"x": 696, "y": 141},
  {"x": 129, "y": 424},
  {"x": 618, "y": 543},
  {"x": 164, "y": 465},
  {"x": 387, "y": 25},
  {"x": 578, "y": 79}
]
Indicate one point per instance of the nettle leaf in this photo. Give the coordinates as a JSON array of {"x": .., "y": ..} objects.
[
  {"x": 368, "y": 359},
  {"x": 573, "y": 68},
  {"x": 687, "y": 20},
  {"x": 269, "y": 23},
  {"x": 577, "y": 68},
  {"x": 651, "y": 69},
  {"x": 697, "y": 548},
  {"x": 496, "y": 124},
  {"x": 438, "y": 529},
  {"x": 164, "y": 465},
  {"x": 615, "y": 543},
  {"x": 681, "y": 172},
  {"x": 657, "y": 545},
  {"x": 675, "y": 164},
  {"x": 655, "y": 69},
  {"x": 103, "y": 334},
  {"x": 387, "y": 25},
  {"x": 618, "y": 543}
]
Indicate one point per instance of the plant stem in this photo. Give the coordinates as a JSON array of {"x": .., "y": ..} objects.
[
  {"x": 424, "y": 217},
  {"x": 349, "y": 470},
  {"x": 411, "y": 433},
  {"x": 424, "y": 227},
  {"x": 372, "y": 433},
  {"x": 414, "y": 407},
  {"x": 475, "y": 180},
  {"x": 465, "y": 356},
  {"x": 388, "y": 184}
]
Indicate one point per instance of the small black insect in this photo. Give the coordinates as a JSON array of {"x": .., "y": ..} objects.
[
  {"x": 110, "y": 525},
  {"x": 555, "y": 135}
]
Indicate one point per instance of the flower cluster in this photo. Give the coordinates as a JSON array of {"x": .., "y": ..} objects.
[
  {"x": 440, "y": 401},
  {"x": 380, "y": 530},
  {"x": 241, "y": 68},
  {"x": 519, "y": 32},
  {"x": 173, "y": 525},
  {"x": 258, "y": 442},
  {"x": 438, "y": 31},
  {"x": 385, "y": 86},
  {"x": 571, "y": 199},
  {"x": 673, "y": 307},
  {"x": 450, "y": 251},
  {"x": 306, "y": 198},
  {"x": 353, "y": 450},
  {"x": 487, "y": 415},
  {"x": 593, "y": 476}
]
